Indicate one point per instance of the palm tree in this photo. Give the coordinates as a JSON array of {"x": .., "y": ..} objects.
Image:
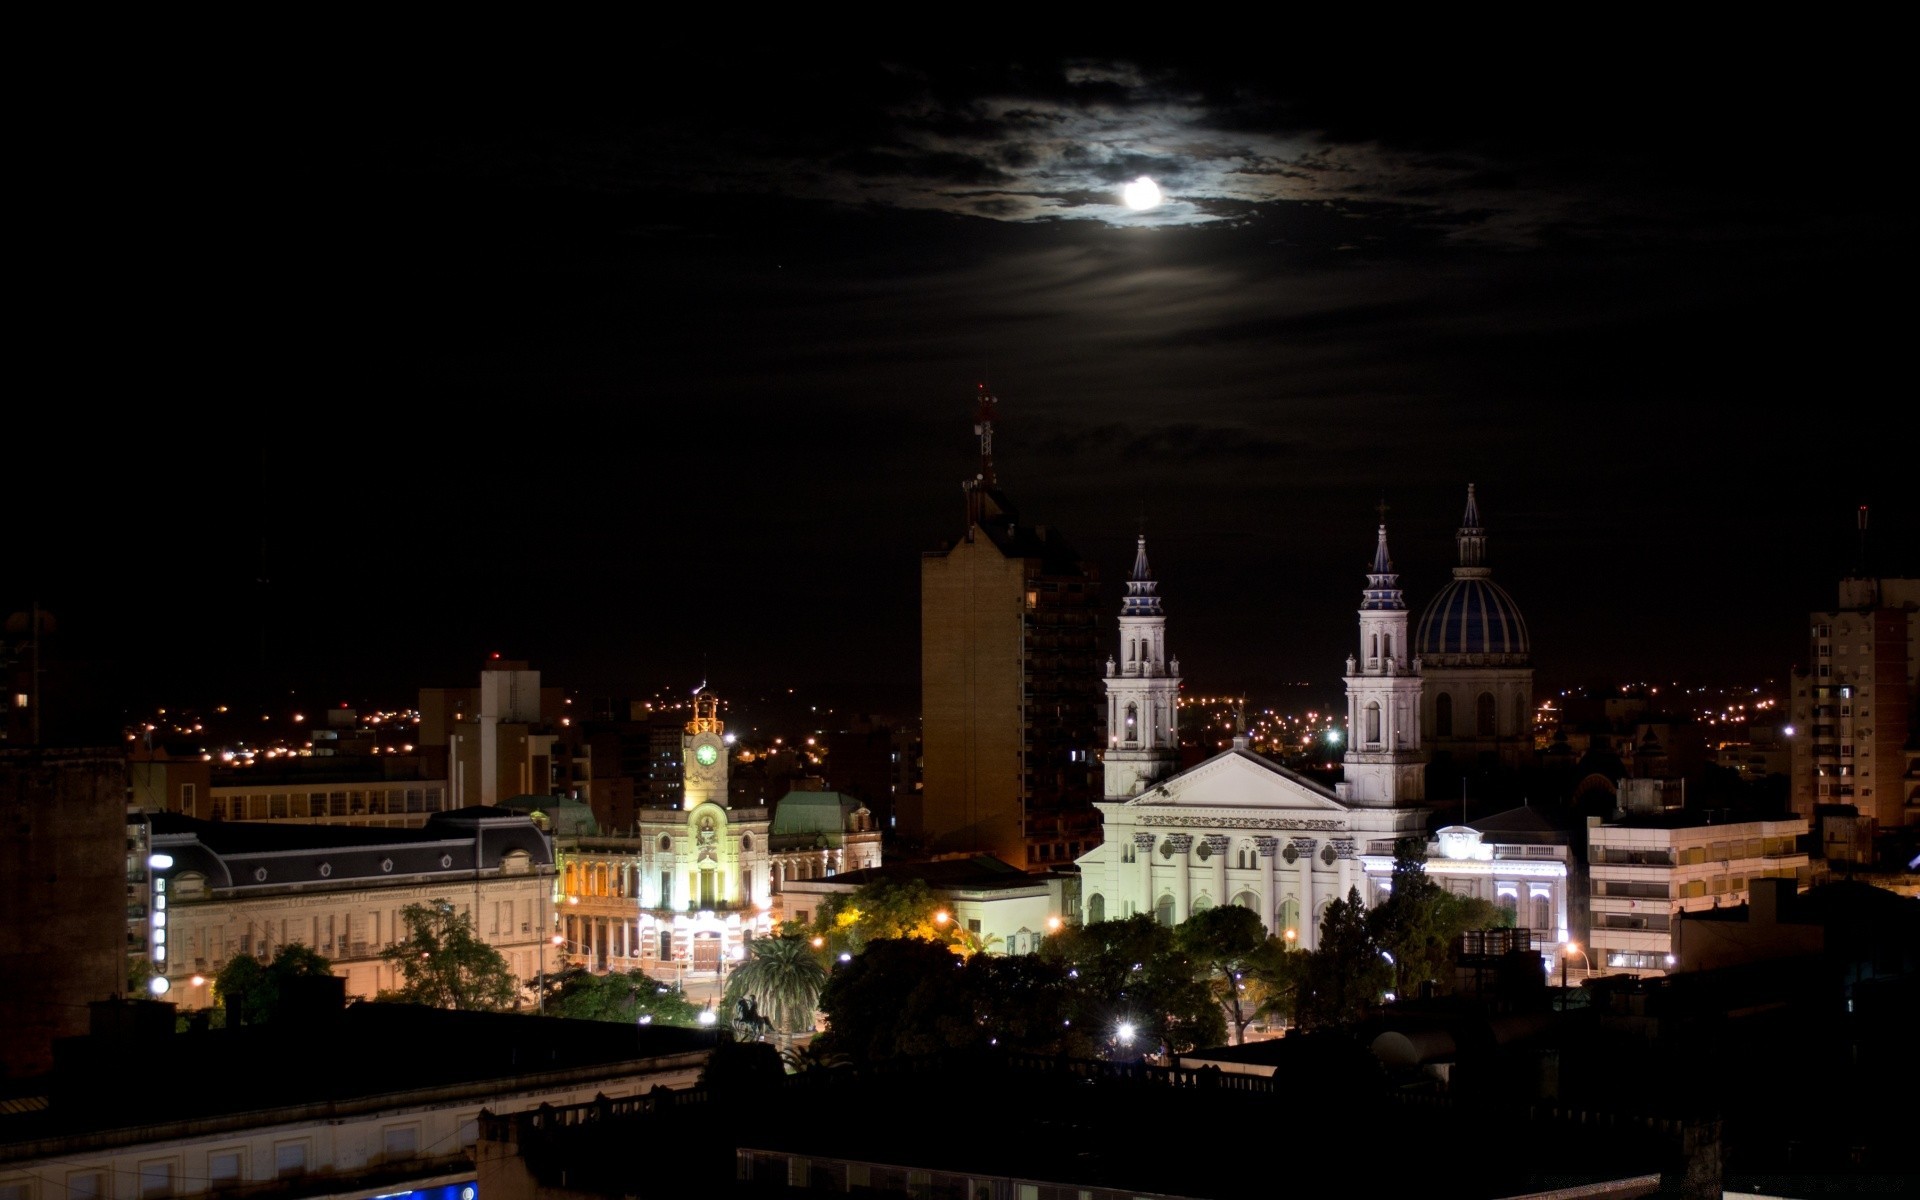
[{"x": 784, "y": 979}]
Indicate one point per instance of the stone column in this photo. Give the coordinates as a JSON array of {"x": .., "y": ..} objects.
[
  {"x": 1309, "y": 918},
  {"x": 1143, "y": 866},
  {"x": 1182, "y": 844},
  {"x": 1217, "y": 844},
  {"x": 1343, "y": 863},
  {"x": 1269, "y": 885}
]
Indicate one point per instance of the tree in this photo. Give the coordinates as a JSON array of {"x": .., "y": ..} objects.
[
  {"x": 443, "y": 963},
  {"x": 631, "y": 997},
  {"x": 250, "y": 990},
  {"x": 1133, "y": 973},
  {"x": 884, "y": 908},
  {"x": 784, "y": 979},
  {"x": 1224, "y": 945},
  {"x": 1347, "y": 975},
  {"x": 1419, "y": 922},
  {"x": 901, "y": 997}
]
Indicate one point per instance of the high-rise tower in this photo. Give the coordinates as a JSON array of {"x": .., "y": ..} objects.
[
  {"x": 1009, "y": 686},
  {"x": 1383, "y": 760},
  {"x": 1143, "y": 691}
]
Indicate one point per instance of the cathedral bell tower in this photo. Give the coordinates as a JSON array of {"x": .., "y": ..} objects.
[
  {"x": 1143, "y": 692},
  {"x": 1383, "y": 760},
  {"x": 703, "y": 750}
]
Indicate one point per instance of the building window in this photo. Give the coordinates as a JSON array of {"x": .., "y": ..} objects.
[
  {"x": 402, "y": 1142},
  {"x": 1373, "y": 724},
  {"x": 290, "y": 1160},
  {"x": 223, "y": 1170},
  {"x": 156, "y": 1179}
]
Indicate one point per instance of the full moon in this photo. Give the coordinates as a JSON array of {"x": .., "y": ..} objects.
[{"x": 1142, "y": 193}]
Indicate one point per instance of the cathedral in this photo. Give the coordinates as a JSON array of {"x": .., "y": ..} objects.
[{"x": 1239, "y": 828}]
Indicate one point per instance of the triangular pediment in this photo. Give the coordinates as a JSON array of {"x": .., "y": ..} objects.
[{"x": 1238, "y": 779}]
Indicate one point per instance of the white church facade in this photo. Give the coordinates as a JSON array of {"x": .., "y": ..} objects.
[{"x": 1239, "y": 828}]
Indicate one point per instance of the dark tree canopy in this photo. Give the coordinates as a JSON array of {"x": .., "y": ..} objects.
[{"x": 251, "y": 990}]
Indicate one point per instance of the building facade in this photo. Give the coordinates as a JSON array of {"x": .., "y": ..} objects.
[
  {"x": 1239, "y": 828},
  {"x": 498, "y": 739},
  {"x": 359, "y": 1103},
  {"x": 1856, "y": 741},
  {"x": 689, "y": 887},
  {"x": 226, "y": 888},
  {"x": 1009, "y": 677},
  {"x": 1646, "y": 869},
  {"x": 1518, "y": 860}
]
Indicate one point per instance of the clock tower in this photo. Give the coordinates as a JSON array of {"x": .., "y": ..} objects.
[{"x": 704, "y": 753}]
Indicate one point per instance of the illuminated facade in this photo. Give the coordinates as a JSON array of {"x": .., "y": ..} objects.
[
  {"x": 1647, "y": 869},
  {"x": 688, "y": 888},
  {"x": 1239, "y": 828},
  {"x": 1143, "y": 691},
  {"x": 1384, "y": 758},
  {"x": 226, "y": 888}
]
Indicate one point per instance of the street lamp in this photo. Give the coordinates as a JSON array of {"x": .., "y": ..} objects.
[{"x": 1567, "y": 951}]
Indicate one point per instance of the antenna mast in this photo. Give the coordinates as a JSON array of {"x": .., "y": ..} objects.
[{"x": 983, "y": 425}]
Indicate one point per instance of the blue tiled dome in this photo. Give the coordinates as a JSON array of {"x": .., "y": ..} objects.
[{"x": 1471, "y": 616}]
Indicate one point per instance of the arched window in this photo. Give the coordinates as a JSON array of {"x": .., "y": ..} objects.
[
  {"x": 1375, "y": 653},
  {"x": 1248, "y": 901},
  {"x": 1163, "y": 910},
  {"x": 1373, "y": 723},
  {"x": 1289, "y": 918},
  {"x": 1483, "y": 714},
  {"x": 1096, "y": 909},
  {"x": 1133, "y": 723},
  {"x": 1443, "y": 715},
  {"x": 1389, "y": 644},
  {"x": 1542, "y": 916},
  {"x": 1202, "y": 903}
]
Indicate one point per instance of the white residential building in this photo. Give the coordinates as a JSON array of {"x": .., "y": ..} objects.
[{"x": 1644, "y": 868}]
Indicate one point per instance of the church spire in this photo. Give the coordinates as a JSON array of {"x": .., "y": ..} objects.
[
  {"x": 1142, "y": 600},
  {"x": 1143, "y": 690},
  {"x": 1383, "y": 586},
  {"x": 1471, "y": 539}
]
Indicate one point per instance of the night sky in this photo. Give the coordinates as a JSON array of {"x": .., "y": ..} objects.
[{"x": 661, "y": 366}]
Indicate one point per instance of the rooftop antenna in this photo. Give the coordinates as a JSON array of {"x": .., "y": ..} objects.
[
  {"x": 983, "y": 425},
  {"x": 1860, "y": 518}
]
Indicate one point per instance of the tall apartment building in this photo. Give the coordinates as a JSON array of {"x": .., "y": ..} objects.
[
  {"x": 1010, "y": 687},
  {"x": 1855, "y": 741}
]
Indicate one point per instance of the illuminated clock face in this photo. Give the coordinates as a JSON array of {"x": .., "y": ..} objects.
[{"x": 706, "y": 755}]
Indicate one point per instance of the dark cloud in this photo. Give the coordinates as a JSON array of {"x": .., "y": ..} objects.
[{"x": 608, "y": 370}]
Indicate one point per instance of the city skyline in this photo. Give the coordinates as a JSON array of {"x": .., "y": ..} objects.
[{"x": 672, "y": 376}]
